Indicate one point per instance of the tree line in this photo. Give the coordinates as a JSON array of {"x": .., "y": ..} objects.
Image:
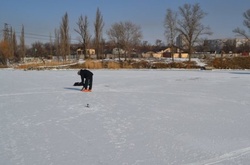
[{"x": 126, "y": 35}]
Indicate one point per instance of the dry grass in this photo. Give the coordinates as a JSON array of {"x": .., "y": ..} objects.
[
  {"x": 113, "y": 65},
  {"x": 90, "y": 64},
  {"x": 225, "y": 63},
  {"x": 3, "y": 66},
  {"x": 97, "y": 64},
  {"x": 26, "y": 66},
  {"x": 40, "y": 65}
]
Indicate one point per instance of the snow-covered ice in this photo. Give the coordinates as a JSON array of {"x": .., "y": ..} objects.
[{"x": 146, "y": 117}]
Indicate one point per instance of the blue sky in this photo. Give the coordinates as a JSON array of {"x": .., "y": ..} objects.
[{"x": 41, "y": 17}]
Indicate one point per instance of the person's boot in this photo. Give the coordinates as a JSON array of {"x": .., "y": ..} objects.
[{"x": 84, "y": 90}]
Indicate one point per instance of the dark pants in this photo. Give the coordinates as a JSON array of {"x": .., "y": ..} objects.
[{"x": 88, "y": 82}]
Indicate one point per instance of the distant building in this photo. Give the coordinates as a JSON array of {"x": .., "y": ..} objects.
[
  {"x": 90, "y": 53},
  {"x": 165, "y": 53},
  {"x": 117, "y": 51},
  {"x": 240, "y": 41},
  {"x": 216, "y": 45}
]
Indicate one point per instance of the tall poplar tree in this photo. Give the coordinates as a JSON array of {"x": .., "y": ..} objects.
[
  {"x": 98, "y": 25},
  {"x": 170, "y": 25},
  {"x": 64, "y": 36},
  {"x": 22, "y": 50}
]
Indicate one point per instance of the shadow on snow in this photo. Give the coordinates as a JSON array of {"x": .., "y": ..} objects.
[{"x": 71, "y": 88}]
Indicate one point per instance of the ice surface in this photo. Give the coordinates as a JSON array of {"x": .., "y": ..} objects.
[{"x": 134, "y": 117}]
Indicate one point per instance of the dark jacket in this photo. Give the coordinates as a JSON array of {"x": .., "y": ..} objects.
[{"x": 85, "y": 74}]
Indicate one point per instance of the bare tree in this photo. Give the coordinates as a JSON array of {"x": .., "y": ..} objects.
[
  {"x": 14, "y": 48},
  {"x": 6, "y": 45},
  {"x": 229, "y": 46},
  {"x": 57, "y": 43},
  {"x": 8, "y": 37},
  {"x": 145, "y": 46},
  {"x": 170, "y": 24},
  {"x": 64, "y": 36},
  {"x": 39, "y": 50},
  {"x": 13, "y": 44},
  {"x": 115, "y": 34},
  {"x": 50, "y": 45},
  {"x": 125, "y": 35},
  {"x": 246, "y": 23},
  {"x": 99, "y": 24},
  {"x": 22, "y": 49},
  {"x": 83, "y": 31},
  {"x": 190, "y": 26},
  {"x": 7, "y": 33},
  {"x": 132, "y": 37}
]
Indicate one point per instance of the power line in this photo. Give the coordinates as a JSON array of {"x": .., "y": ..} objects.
[
  {"x": 36, "y": 36},
  {"x": 31, "y": 35}
]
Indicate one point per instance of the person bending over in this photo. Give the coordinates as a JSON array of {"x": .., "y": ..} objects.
[{"x": 87, "y": 79}]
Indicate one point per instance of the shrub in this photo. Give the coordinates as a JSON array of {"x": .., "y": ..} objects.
[
  {"x": 160, "y": 65},
  {"x": 231, "y": 63},
  {"x": 140, "y": 64}
]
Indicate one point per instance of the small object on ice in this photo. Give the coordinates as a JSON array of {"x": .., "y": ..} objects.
[{"x": 87, "y": 105}]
